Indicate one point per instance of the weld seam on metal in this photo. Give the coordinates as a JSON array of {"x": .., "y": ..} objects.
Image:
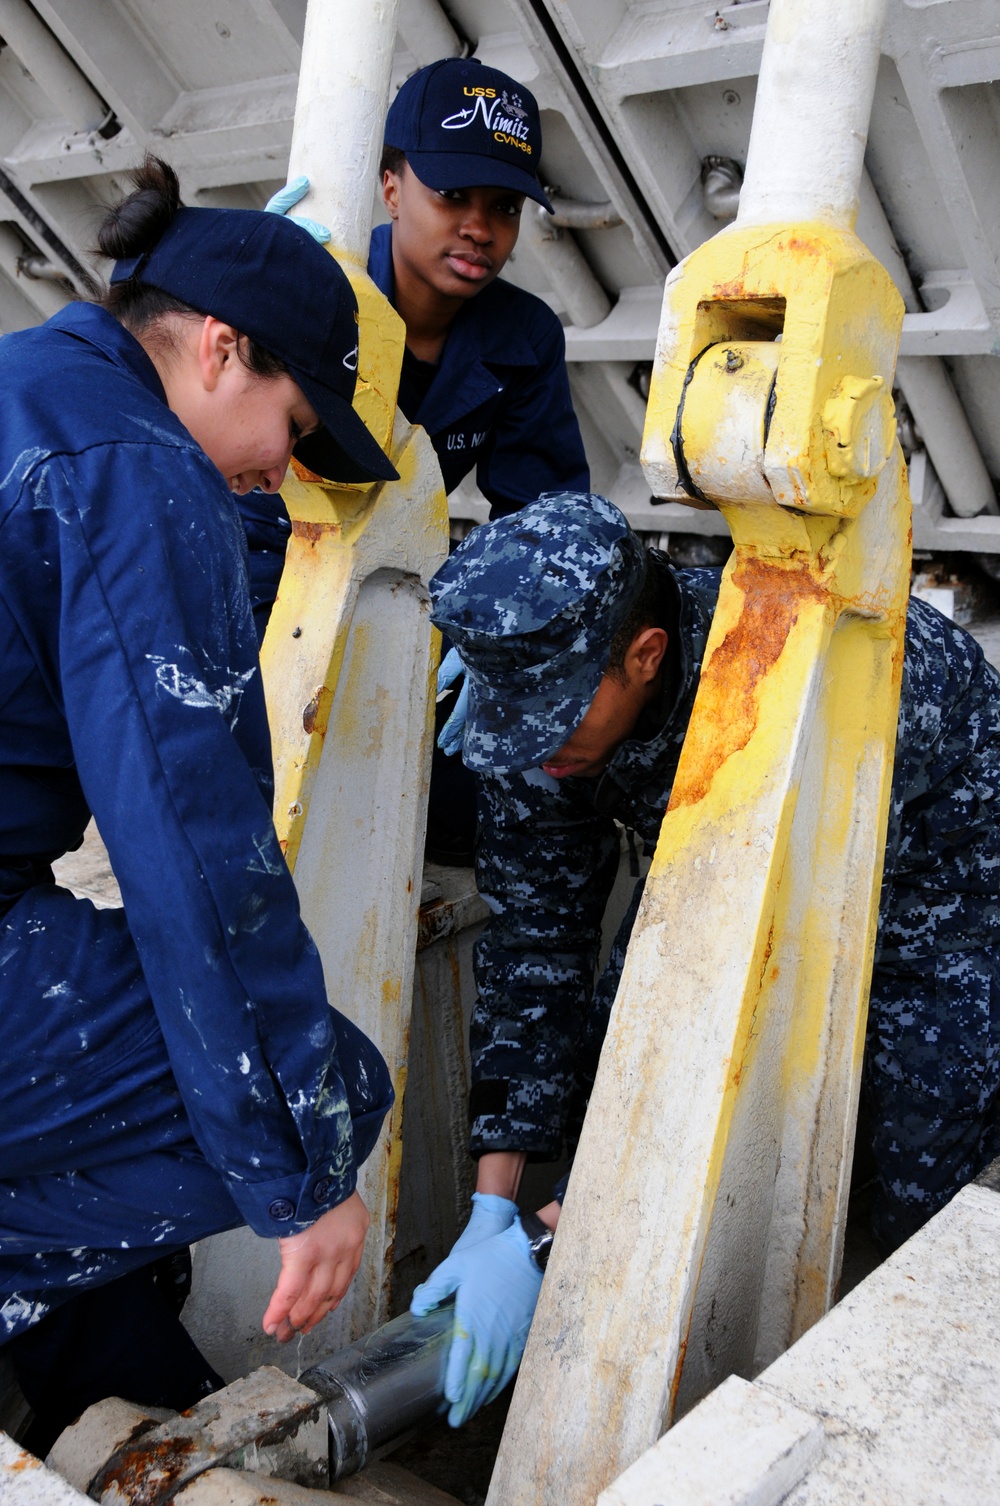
[
  {"x": 772, "y": 398},
  {"x": 677, "y": 438}
]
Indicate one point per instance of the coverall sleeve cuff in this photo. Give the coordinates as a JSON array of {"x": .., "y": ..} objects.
[
  {"x": 287, "y": 1206},
  {"x": 521, "y": 1114}
]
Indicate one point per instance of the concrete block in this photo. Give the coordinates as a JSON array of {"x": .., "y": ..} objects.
[
  {"x": 85, "y": 1447},
  {"x": 391, "y": 1485},
  {"x": 25, "y": 1481},
  {"x": 262, "y": 1408},
  {"x": 906, "y": 1371},
  {"x": 740, "y": 1447},
  {"x": 237, "y": 1487}
]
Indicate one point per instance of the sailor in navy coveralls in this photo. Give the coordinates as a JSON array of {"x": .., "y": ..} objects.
[
  {"x": 484, "y": 370},
  {"x": 172, "y": 1068}
]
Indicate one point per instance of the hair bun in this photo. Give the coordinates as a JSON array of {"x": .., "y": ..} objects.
[{"x": 137, "y": 222}]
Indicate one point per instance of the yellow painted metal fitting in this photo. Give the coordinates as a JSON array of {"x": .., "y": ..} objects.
[
  {"x": 838, "y": 316},
  {"x": 727, "y": 397},
  {"x": 340, "y": 535},
  {"x": 381, "y": 339},
  {"x": 859, "y": 421},
  {"x": 336, "y": 538}
]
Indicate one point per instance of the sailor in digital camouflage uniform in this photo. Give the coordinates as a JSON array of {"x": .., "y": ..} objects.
[
  {"x": 582, "y": 652},
  {"x": 533, "y": 603}
]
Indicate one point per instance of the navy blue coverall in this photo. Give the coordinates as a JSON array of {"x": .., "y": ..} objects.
[
  {"x": 172, "y": 1068},
  {"x": 498, "y": 400}
]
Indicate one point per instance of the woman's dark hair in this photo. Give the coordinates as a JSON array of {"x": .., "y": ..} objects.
[
  {"x": 646, "y": 611},
  {"x": 133, "y": 226},
  {"x": 393, "y": 161}
]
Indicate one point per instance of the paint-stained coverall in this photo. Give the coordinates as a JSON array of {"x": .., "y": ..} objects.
[
  {"x": 497, "y": 401},
  {"x": 173, "y": 1068},
  {"x": 547, "y": 858}
]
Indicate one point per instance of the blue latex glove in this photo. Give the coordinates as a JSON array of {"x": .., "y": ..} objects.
[
  {"x": 491, "y": 1214},
  {"x": 452, "y": 734},
  {"x": 286, "y": 198},
  {"x": 496, "y": 1285}
]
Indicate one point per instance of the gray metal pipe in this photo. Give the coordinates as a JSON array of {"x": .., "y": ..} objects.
[
  {"x": 560, "y": 260},
  {"x": 379, "y": 1389},
  {"x": 427, "y": 32},
  {"x": 46, "y": 297},
  {"x": 576, "y": 214},
  {"x": 721, "y": 181}
]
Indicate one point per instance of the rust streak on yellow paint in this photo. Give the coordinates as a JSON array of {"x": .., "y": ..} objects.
[{"x": 772, "y": 597}]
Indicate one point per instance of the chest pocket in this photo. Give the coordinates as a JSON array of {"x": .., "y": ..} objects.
[
  {"x": 465, "y": 439},
  {"x": 461, "y": 442}
]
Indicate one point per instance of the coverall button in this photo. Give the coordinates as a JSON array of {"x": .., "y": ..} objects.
[
  {"x": 281, "y": 1209},
  {"x": 323, "y": 1188}
]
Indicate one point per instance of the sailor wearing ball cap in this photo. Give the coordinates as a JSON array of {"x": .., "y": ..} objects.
[
  {"x": 172, "y": 1068},
  {"x": 484, "y": 370}
]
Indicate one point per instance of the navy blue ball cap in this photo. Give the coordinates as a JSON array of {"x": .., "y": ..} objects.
[
  {"x": 270, "y": 280},
  {"x": 532, "y": 602},
  {"x": 465, "y": 125}
]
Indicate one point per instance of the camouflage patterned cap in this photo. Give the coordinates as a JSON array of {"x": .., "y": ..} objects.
[{"x": 532, "y": 602}]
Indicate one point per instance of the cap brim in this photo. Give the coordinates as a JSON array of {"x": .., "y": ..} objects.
[
  {"x": 343, "y": 449},
  {"x": 509, "y": 736},
  {"x": 443, "y": 170}
]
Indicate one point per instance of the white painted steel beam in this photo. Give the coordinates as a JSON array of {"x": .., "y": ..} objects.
[
  {"x": 958, "y": 328},
  {"x": 124, "y": 71},
  {"x": 51, "y": 67},
  {"x": 649, "y": 71},
  {"x": 655, "y": 49}
]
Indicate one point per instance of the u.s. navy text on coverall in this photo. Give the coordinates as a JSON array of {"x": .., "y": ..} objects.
[
  {"x": 497, "y": 402},
  {"x": 547, "y": 858},
  {"x": 173, "y": 1068}
]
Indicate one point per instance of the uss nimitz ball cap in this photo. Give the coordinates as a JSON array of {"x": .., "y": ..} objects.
[
  {"x": 465, "y": 125},
  {"x": 269, "y": 279},
  {"x": 532, "y": 602}
]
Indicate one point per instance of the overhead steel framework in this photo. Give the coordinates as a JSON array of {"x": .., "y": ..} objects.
[{"x": 638, "y": 98}]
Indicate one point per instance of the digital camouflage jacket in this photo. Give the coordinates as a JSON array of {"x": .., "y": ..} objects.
[{"x": 548, "y": 854}]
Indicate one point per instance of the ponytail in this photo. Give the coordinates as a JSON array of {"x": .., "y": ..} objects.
[
  {"x": 133, "y": 227},
  {"x": 138, "y": 221}
]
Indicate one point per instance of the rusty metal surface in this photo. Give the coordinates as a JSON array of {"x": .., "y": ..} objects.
[{"x": 262, "y": 1408}]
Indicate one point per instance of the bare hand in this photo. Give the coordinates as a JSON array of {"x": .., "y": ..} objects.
[{"x": 316, "y": 1269}]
